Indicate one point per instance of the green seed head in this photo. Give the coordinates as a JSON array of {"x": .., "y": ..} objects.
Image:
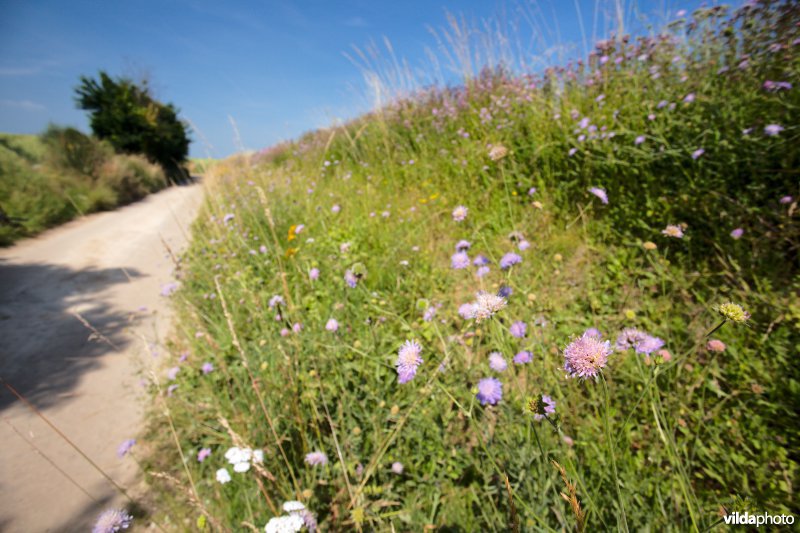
[{"x": 733, "y": 312}]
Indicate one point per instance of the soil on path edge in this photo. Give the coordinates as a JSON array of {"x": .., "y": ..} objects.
[{"x": 106, "y": 272}]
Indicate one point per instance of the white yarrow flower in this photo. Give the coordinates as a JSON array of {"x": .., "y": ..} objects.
[
  {"x": 284, "y": 524},
  {"x": 293, "y": 506},
  {"x": 223, "y": 476}
]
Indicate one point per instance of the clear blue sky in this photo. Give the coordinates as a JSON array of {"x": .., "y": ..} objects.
[{"x": 276, "y": 68}]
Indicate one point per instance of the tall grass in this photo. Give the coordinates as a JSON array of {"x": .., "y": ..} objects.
[
  {"x": 62, "y": 174},
  {"x": 665, "y": 439}
]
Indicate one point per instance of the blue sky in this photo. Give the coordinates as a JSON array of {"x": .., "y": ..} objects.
[{"x": 273, "y": 68}]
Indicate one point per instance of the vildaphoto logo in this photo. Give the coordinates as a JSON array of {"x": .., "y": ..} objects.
[{"x": 763, "y": 519}]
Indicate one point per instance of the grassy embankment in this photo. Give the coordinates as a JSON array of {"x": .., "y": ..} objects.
[{"x": 676, "y": 130}]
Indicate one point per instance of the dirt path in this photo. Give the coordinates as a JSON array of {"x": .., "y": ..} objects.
[{"x": 108, "y": 270}]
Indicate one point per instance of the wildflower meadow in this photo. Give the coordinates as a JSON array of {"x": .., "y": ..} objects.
[{"x": 562, "y": 300}]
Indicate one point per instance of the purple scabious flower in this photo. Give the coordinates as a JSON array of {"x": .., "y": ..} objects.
[
  {"x": 275, "y": 300},
  {"x": 572, "y": 151},
  {"x": 335, "y": 208},
  {"x": 467, "y": 311},
  {"x": 111, "y": 521},
  {"x": 549, "y": 407},
  {"x": 490, "y": 391},
  {"x": 487, "y": 304},
  {"x": 397, "y": 467},
  {"x": 408, "y": 360},
  {"x": 509, "y": 260},
  {"x": 505, "y": 291},
  {"x": 227, "y": 218},
  {"x": 785, "y": 200},
  {"x": 639, "y": 140},
  {"x": 523, "y": 245},
  {"x": 497, "y": 362},
  {"x": 203, "y": 454},
  {"x": 297, "y": 327},
  {"x": 313, "y": 274},
  {"x": 649, "y": 344},
  {"x": 697, "y": 153},
  {"x": 481, "y": 260},
  {"x": 772, "y": 129},
  {"x": 482, "y": 271},
  {"x": 207, "y": 368},
  {"x": 125, "y": 447},
  {"x": 459, "y": 260},
  {"x": 316, "y": 458},
  {"x": 332, "y": 325},
  {"x": 629, "y": 338},
  {"x": 531, "y": 191},
  {"x": 689, "y": 98},
  {"x": 168, "y": 288},
  {"x": 523, "y": 357},
  {"x": 600, "y": 193},
  {"x": 518, "y": 329},
  {"x": 586, "y": 356},
  {"x": 350, "y": 279},
  {"x": 737, "y": 233},
  {"x": 593, "y": 332},
  {"x": 662, "y": 104},
  {"x": 172, "y": 373},
  {"x": 430, "y": 312},
  {"x": 460, "y": 213},
  {"x": 462, "y": 245}
]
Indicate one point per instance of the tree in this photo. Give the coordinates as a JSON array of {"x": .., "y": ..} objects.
[{"x": 126, "y": 114}]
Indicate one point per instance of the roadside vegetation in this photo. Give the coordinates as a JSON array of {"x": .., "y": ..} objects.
[
  {"x": 532, "y": 302},
  {"x": 52, "y": 178}
]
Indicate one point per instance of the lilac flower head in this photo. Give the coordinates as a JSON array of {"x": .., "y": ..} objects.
[
  {"x": 697, "y": 153},
  {"x": 459, "y": 260},
  {"x": 408, "y": 360},
  {"x": 785, "y": 200},
  {"x": 168, "y": 288},
  {"x": 689, "y": 98},
  {"x": 125, "y": 447},
  {"x": 482, "y": 271},
  {"x": 487, "y": 304},
  {"x": 531, "y": 191},
  {"x": 548, "y": 405},
  {"x": 207, "y": 368},
  {"x": 430, "y": 312},
  {"x": 313, "y": 274},
  {"x": 572, "y": 151},
  {"x": 662, "y": 104},
  {"x": 772, "y": 130},
  {"x": 673, "y": 231},
  {"x": 336, "y": 208},
  {"x": 227, "y": 218},
  {"x": 467, "y": 311},
  {"x": 518, "y": 329},
  {"x": 350, "y": 279},
  {"x": 639, "y": 140},
  {"x": 586, "y": 356},
  {"x": 459, "y": 213},
  {"x": 649, "y": 344},
  {"x": 397, "y": 467},
  {"x": 600, "y": 193},
  {"x": 275, "y": 300},
  {"x": 111, "y": 521},
  {"x": 523, "y": 357},
  {"x": 203, "y": 454},
  {"x": 584, "y": 123},
  {"x": 332, "y": 325},
  {"x": 715, "y": 345},
  {"x": 497, "y": 362},
  {"x": 509, "y": 260},
  {"x": 462, "y": 245},
  {"x": 593, "y": 332},
  {"x": 481, "y": 260},
  {"x": 505, "y": 291},
  {"x": 490, "y": 391},
  {"x": 316, "y": 458},
  {"x": 629, "y": 338},
  {"x": 172, "y": 373},
  {"x": 737, "y": 233}
]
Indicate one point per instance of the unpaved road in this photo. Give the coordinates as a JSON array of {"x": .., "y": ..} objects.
[{"x": 107, "y": 269}]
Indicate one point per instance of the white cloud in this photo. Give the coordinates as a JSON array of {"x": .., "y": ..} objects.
[{"x": 26, "y": 105}]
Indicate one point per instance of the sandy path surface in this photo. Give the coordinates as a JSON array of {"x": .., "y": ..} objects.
[{"x": 108, "y": 269}]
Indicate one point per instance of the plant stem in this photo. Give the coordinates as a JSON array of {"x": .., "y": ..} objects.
[{"x": 610, "y": 444}]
